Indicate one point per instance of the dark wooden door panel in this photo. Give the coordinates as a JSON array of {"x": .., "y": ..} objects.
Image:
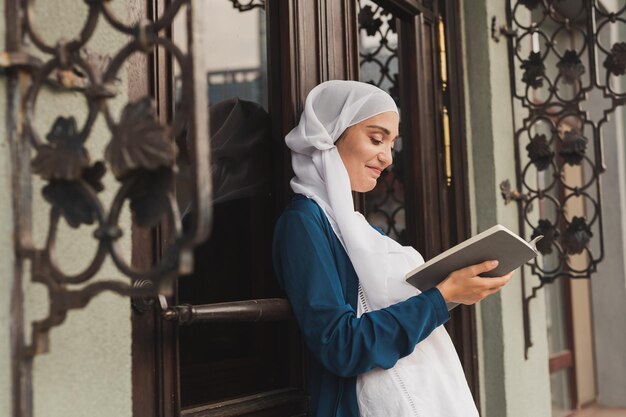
[{"x": 279, "y": 403}]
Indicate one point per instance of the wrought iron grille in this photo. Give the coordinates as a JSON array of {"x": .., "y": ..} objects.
[
  {"x": 567, "y": 75},
  {"x": 378, "y": 61},
  {"x": 141, "y": 156}
]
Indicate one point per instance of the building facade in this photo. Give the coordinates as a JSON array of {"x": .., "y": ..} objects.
[{"x": 95, "y": 225}]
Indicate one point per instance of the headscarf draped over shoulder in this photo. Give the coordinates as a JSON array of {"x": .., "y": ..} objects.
[{"x": 430, "y": 381}]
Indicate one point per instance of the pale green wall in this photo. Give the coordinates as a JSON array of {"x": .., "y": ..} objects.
[
  {"x": 6, "y": 247},
  {"x": 6, "y": 251},
  {"x": 510, "y": 385},
  {"x": 6, "y": 263},
  {"x": 88, "y": 368}
]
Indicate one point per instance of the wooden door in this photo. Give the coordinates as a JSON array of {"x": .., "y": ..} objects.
[
  {"x": 238, "y": 367},
  {"x": 269, "y": 54}
]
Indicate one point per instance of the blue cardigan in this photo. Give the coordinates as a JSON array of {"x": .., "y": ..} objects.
[{"x": 322, "y": 286}]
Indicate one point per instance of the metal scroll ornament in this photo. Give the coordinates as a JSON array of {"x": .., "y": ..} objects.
[
  {"x": 244, "y": 6},
  {"x": 140, "y": 156}
]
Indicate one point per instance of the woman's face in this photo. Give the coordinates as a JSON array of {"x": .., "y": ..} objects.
[{"x": 366, "y": 148}]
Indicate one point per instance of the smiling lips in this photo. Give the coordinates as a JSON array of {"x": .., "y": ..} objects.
[{"x": 376, "y": 170}]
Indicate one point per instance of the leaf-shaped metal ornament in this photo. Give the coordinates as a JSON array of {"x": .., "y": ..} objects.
[
  {"x": 539, "y": 152},
  {"x": 615, "y": 62},
  {"x": 367, "y": 21},
  {"x": 549, "y": 233},
  {"x": 571, "y": 67},
  {"x": 576, "y": 236},
  {"x": 149, "y": 195},
  {"x": 71, "y": 199},
  {"x": 139, "y": 141},
  {"x": 65, "y": 157},
  {"x": 534, "y": 70},
  {"x": 93, "y": 176},
  {"x": 573, "y": 148}
]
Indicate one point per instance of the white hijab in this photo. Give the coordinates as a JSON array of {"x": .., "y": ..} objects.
[{"x": 430, "y": 381}]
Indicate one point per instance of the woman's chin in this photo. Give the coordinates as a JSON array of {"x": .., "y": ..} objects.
[{"x": 364, "y": 188}]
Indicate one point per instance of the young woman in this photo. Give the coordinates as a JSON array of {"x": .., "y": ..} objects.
[{"x": 378, "y": 345}]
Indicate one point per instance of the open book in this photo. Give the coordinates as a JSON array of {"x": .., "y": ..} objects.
[{"x": 496, "y": 243}]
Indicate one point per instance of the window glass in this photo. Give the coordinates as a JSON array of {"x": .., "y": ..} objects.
[
  {"x": 228, "y": 360},
  {"x": 378, "y": 60},
  {"x": 560, "y": 389}
]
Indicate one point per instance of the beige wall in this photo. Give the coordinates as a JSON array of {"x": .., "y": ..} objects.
[
  {"x": 88, "y": 368},
  {"x": 608, "y": 285},
  {"x": 583, "y": 342},
  {"x": 511, "y": 386}
]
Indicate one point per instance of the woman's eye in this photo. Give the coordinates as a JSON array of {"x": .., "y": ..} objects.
[{"x": 376, "y": 141}]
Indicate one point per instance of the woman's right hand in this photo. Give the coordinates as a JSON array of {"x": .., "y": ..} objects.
[{"x": 464, "y": 286}]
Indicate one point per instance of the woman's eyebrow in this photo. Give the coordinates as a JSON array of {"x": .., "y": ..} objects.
[{"x": 385, "y": 130}]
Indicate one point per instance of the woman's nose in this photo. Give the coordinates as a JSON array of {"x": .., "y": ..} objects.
[{"x": 386, "y": 156}]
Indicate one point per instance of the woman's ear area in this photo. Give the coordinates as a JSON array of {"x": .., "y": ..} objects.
[{"x": 343, "y": 135}]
